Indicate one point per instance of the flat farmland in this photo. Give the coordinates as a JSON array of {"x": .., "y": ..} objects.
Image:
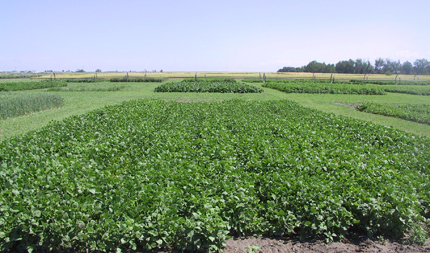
[
  {"x": 236, "y": 75},
  {"x": 115, "y": 169}
]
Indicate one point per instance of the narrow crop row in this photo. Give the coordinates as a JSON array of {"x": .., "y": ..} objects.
[
  {"x": 30, "y": 85},
  {"x": 139, "y": 80},
  {"x": 390, "y": 82},
  {"x": 208, "y": 85},
  {"x": 19, "y": 105},
  {"x": 155, "y": 174},
  {"x": 88, "y": 89},
  {"x": 408, "y": 89},
  {"x": 324, "y": 88},
  {"x": 418, "y": 113}
]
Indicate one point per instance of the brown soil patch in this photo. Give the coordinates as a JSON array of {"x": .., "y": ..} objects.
[{"x": 241, "y": 245}]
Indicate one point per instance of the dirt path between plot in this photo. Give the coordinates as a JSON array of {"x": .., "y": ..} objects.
[{"x": 261, "y": 244}]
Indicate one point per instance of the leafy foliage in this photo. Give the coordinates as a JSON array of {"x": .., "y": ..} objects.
[
  {"x": 30, "y": 85},
  {"x": 252, "y": 80},
  {"x": 84, "y": 89},
  {"x": 322, "y": 86},
  {"x": 13, "y": 106},
  {"x": 139, "y": 80},
  {"x": 82, "y": 80},
  {"x": 157, "y": 174},
  {"x": 413, "y": 112},
  {"x": 389, "y": 82},
  {"x": 208, "y": 85},
  {"x": 408, "y": 89}
]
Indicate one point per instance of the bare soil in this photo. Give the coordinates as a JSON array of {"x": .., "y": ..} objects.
[{"x": 362, "y": 244}]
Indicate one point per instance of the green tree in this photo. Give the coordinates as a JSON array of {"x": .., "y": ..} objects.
[
  {"x": 420, "y": 66},
  {"x": 379, "y": 65},
  {"x": 407, "y": 68}
]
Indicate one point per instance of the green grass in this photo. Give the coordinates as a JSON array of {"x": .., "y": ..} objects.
[{"x": 76, "y": 103}]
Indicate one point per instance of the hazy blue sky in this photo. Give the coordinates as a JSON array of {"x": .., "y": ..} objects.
[{"x": 203, "y": 35}]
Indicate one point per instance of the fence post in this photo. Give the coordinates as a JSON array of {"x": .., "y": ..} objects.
[
  {"x": 51, "y": 77},
  {"x": 264, "y": 78},
  {"x": 195, "y": 76},
  {"x": 126, "y": 77},
  {"x": 205, "y": 75},
  {"x": 313, "y": 77},
  {"x": 55, "y": 78}
]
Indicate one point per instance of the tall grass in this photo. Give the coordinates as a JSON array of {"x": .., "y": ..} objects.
[
  {"x": 19, "y": 105},
  {"x": 31, "y": 85}
]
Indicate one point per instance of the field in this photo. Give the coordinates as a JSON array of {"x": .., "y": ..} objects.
[
  {"x": 418, "y": 113},
  {"x": 208, "y": 85},
  {"x": 323, "y": 87},
  {"x": 186, "y": 171},
  {"x": 236, "y": 75}
]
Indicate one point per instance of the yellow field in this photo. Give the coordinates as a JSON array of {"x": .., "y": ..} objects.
[{"x": 238, "y": 75}]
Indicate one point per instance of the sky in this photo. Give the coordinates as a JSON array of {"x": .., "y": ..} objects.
[{"x": 204, "y": 35}]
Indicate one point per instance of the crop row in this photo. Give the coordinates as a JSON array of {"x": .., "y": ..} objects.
[
  {"x": 88, "y": 89},
  {"x": 390, "y": 82},
  {"x": 413, "y": 112},
  {"x": 30, "y": 85},
  {"x": 324, "y": 88},
  {"x": 82, "y": 80},
  {"x": 155, "y": 174},
  {"x": 208, "y": 85},
  {"x": 139, "y": 80},
  {"x": 408, "y": 89},
  {"x": 14, "y": 106}
]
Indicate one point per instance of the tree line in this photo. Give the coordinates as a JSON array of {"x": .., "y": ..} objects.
[{"x": 360, "y": 66}]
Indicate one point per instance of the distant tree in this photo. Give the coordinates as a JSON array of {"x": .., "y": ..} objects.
[
  {"x": 80, "y": 70},
  {"x": 379, "y": 65},
  {"x": 407, "y": 68},
  {"x": 161, "y": 70},
  {"x": 98, "y": 70},
  {"x": 421, "y": 66},
  {"x": 318, "y": 67},
  {"x": 291, "y": 69},
  {"x": 345, "y": 66}
]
